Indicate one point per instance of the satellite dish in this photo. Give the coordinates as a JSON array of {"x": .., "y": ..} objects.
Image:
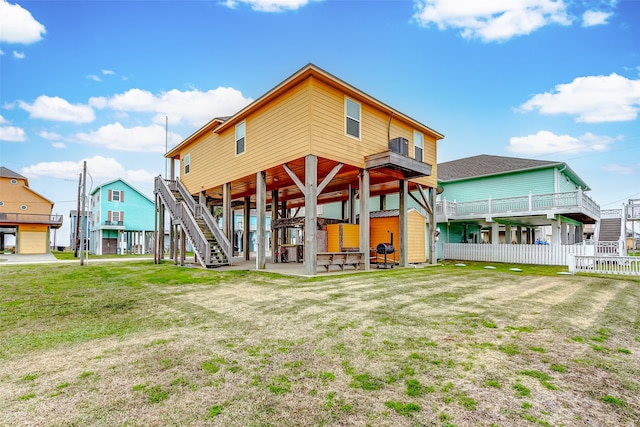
[{"x": 439, "y": 190}]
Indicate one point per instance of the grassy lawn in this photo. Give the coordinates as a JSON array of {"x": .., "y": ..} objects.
[{"x": 137, "y": 344}]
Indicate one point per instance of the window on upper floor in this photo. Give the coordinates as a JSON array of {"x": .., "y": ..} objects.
[
  {"x": 418, "y": 146},
  {"x": 352, "y": 118},
  {"x": 240, "y": 138},
  {"x": 187, "y": 164},
  {"x": 115, "y": 216},
  {"x": 116, "y": 195}
]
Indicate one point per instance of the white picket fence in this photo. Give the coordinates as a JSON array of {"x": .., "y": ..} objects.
[
  {"x": 625, "y": 265},
  {"x": 517, "y": 254}
]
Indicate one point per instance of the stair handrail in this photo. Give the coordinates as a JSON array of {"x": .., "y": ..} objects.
[
  {"x": 199, "y": 242},
  {"x": 200, "y": 211},
  {"x": 188, "y": 198},
  {"x": 223, "y": 241},
  {"x": 181, "y": 212},
  {"x": 162, "y": 188}
]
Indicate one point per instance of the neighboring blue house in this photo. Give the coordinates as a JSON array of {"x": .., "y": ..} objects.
[{"x": 122, "y": 220}]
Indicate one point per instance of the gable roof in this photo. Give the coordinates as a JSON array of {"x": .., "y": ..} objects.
[
  {"x": 8, "y": 173},
  {"x": 485, "y": 165},
  {"x": 219, "y": 124},
  {"x": 125, "y": 183}
]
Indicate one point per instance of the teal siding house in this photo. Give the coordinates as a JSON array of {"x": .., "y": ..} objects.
[
  {"x": 495, "y": 199},
  {"x": 122, "y": 220}
]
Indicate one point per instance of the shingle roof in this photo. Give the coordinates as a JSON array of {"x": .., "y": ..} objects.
[
  {"x": 8, "y": 173},
  {"x": 483, "y": 165}
]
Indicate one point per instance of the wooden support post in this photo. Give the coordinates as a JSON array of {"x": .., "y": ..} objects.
[
  {"x": 183, "y": 246},
  {"x": 161, "y": 232},
  {"x": 246, "y": 236},
  {"x": 261, "y": 215},
  {"x": 227, "y": 217},
  {"x": 402, "y": 224},
  {"x": 310, "y": 213},
  {"x": 275, "y": 237},
  {"x": 433, "y": 256},
  {"x": 364, "y": 216}
]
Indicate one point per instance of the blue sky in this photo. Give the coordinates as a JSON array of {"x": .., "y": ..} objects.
[{"x": 96, "y": 80}]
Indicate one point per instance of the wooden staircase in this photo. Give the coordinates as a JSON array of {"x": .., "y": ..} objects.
[
  {"x": 610, "y": 229},
  {"x": 211, "y": 246}
]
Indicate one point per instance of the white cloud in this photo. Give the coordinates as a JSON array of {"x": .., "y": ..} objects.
[
  {"x": 58, "y": 109},
  {"x": 545, "y": 142},
  {"x": 622, "y": 169},
  {"x": 58, "y": 145},
  {"x": 491, "y": 20},
  {"x": 51, "y": 136},
  {"x": 19, "y": 55},
  {"x": 12, "y": 134},
  {"x": 94, "y": 77},
  {"x": 18, "y": 25},
  {"x": 194, "y": 106},
  {"x": 3, "y": 120},
  {"x": 593, "y": 99},
  {"x": 145, "y": 139},
  {"x": 268, "y": 5},
  {"x": 595, "y": 17},
  {"x": 108, "y": 72},
  {"x": 101, "y": 169},
  {"x": 1, "y": 52}
]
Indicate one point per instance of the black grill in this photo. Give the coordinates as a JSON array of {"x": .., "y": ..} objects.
[{"x": 384, "y": 249}]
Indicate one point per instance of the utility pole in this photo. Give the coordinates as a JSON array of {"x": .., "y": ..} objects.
[
  {"x": 82, "y": 215},
  {"x": 77, "y": 233}
]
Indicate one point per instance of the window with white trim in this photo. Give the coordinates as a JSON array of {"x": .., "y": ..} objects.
[
  {"x": 115, "y": 196},
  {"x": 187, "y": 164},
  {"x": 240, "y": 138},
  {"x": 418, "y": 146},
  {"x": 352, "y": 118}
]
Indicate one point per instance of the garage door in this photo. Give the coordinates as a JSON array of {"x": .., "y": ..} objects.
[{"x": 32, "y": 242}]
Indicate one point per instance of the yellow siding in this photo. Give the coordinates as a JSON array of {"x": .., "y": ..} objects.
[
  {"x": 417, "y": 238},
  {"x": 276, "y": 134},
  {"x": 16, "y": 195},
  {"x": 380, "y": 229},
  {"x": 380, "y": 232},
  {"x": 308, "y": 119},
  {"x": 341, "y": 237},
  {"x": 329, "y": 140}
]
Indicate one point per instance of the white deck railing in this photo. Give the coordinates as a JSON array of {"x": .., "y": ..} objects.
[
  {"x": 625, "y": 265},
  {"x": 538, "y": 204}
]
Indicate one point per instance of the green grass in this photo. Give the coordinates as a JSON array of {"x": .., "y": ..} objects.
[{"x": 187, "y": 346}]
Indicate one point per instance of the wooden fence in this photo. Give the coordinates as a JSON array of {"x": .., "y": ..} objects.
[{"x": 517, "y": 254}]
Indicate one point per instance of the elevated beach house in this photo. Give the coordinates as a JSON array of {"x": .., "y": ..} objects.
[
  {"x": 494, "y": 199},
  {"x": 312, "y": 139},
  {"x": 25, "y": 214}
]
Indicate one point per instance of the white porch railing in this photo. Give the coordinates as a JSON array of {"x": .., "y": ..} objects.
[
  {"x": 537, "y": 204},
  {"x": 516, "y": 254},
  {"x": 625, "y": 265}
]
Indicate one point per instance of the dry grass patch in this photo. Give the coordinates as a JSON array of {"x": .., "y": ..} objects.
[{"x": 433, "y": 346}]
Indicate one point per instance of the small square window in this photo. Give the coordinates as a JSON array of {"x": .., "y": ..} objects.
[
  {"x": 240, "y": 138},
  {"x": 115, "y": 196},
  {"x": 352, "y": 118}
]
